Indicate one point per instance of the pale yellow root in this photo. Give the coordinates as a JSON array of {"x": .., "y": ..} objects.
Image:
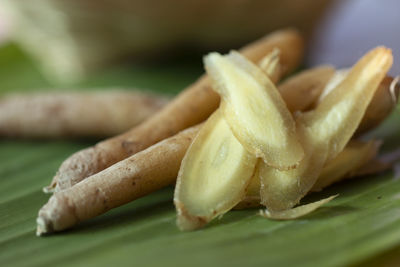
[
  {"x": 296, "y": 212},
  {"x": 129, "y": 179},
  {"x": 384, "y": 101},
  {"x": 254, "y": 109},
  {"x": 213, "y": 175},
  {"x": 190, "y": 107},
  {"x": 349, "y": 163},
  {"x": 75, "y": 114},
  {"x": 325, "y": 131}
]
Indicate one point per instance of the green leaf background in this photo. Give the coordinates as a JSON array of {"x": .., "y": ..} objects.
[{"x": 360, "y": 227}]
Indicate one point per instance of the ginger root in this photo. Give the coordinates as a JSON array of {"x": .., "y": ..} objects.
[
  {"x": 129, "y": 179},
  {"x": 141, "y": 174},
  {"x": 325, "y": 131},
  {"x": 75, "y": 114},
  {"x": 213, "y": 161},
  {"x": 190, "y": 107},
  {"x": 252, "y": 104},
  {"x": 158, "y": 166},
  {"x": 255, "y": 110},
  {"x": 216, "y": 159},
  {"x": 349, "y": 163}
]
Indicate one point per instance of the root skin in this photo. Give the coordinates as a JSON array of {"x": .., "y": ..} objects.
[
  {"x": 132, "y": 178},
  {"x": 189, "y": 108},
  {"x": 75, "y": 114}
]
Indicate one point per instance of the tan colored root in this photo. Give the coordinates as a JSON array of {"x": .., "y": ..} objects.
[
  {"x": 309, "y": 85},
  {"x": 383, "y": 163},
  {"x": 75, "y": 114},
  {"x": 383, "y": 103},
  {"x": 136, "y": 176},
  {"x": 190, "y": 107}
]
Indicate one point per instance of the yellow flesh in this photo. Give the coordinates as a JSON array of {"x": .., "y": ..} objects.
[
  {"x": 355, "y": 155},
  {"x": 336, "y": 79},
  {"x": 213, "y": 176},
  {"x": 338, "y": 115},
  {"x": 325, "y": 131},
  {"x": 254, "y": 110},
  {"x": 218, "y": 168}
]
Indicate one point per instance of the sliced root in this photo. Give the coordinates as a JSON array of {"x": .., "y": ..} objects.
[
  {"x": 297, "y": 212},
  {"x": 213, "y": 176}
]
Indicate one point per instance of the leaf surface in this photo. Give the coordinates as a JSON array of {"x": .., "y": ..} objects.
[{"x": 362, "y": 222}]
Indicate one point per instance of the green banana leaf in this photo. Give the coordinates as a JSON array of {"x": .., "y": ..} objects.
[{"x": 360, "y": 227}]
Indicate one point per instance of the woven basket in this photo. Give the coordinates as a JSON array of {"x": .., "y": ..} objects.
[{"x": 71, "y": 38}]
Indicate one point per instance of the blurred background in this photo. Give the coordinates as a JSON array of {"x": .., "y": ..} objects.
[
  {"x": 72, "y": 41},
  {"x": 158, "y": 45}
]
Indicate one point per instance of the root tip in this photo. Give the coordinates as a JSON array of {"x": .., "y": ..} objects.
[{"x": 43, "y": 226}]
